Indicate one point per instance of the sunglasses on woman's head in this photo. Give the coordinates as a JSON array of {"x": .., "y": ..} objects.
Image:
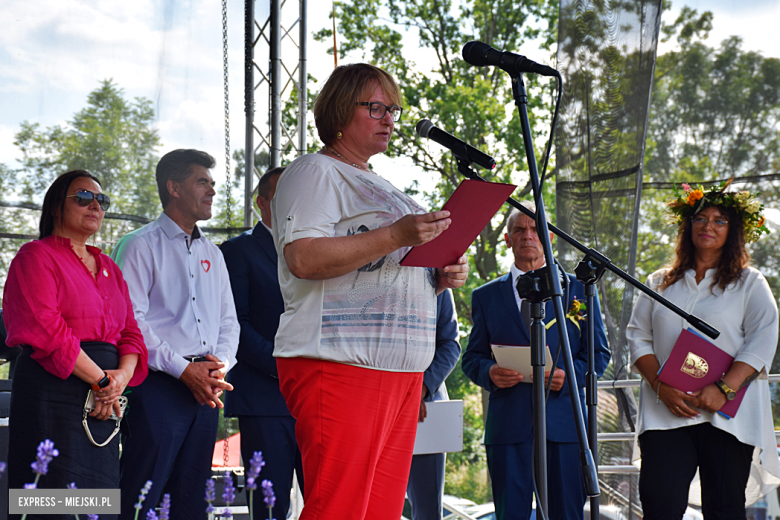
[{"x": 85, "y": 198}]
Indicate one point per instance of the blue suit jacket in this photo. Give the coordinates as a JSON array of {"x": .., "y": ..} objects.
[
  {"x": 447, "y": 348},
  {"x": 251, "y": 262},
  {"x": 497, "y": 320}
]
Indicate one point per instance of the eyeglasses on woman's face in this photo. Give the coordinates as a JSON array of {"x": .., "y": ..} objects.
[
  {"x": 378, "y": 110},
  {"x": 85, "y": 198},
  {"x": 701, "y": 221}
]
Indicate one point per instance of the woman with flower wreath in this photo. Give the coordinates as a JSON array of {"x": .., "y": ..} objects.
[{"x": 680, "y": 432}]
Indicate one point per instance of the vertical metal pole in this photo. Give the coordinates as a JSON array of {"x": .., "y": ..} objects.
[
  {"x": 538, "y": 362},
  {"x": 249, "y": 107},
  {"x": 276, "y": 84},
  {"x": 592, "y": 396},
  {"x": 303, "y": 92}
]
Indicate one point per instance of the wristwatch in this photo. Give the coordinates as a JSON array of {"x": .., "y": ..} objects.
[
  {"x": 729, "y": 392},
  {"x": 100, "y": 385}
]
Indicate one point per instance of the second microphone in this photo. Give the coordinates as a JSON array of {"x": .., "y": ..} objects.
[{"x": 425, "y": 128}]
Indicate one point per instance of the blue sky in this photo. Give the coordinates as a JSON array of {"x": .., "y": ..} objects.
[{"x": 54, "y": 52}]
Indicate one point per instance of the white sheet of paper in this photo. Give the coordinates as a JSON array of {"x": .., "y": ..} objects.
[
  {"x": 519, "y": 359},
  {"x": 442, "y": 429}
]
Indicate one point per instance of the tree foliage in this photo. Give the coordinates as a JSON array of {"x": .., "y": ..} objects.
[{"x": 111, "y": 137}]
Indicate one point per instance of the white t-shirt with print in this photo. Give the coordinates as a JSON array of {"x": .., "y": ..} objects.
[{"x": 382, "y": 316}]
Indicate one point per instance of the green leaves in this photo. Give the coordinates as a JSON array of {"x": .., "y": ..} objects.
[{"x": 111, "y": 137}]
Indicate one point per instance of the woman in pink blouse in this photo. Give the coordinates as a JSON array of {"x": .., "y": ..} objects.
[{"x": 67, "y": 306}]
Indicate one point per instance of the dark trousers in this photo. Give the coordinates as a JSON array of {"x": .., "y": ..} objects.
[
  {"x": 171, "y": 442},
  {"x": 669, "y": 462},
  {"x": 43, "y": 406},
  {"x": 275, "y": 438},
  {"x": 426, "y": 486},
  {"x": 511, "y": 470}
]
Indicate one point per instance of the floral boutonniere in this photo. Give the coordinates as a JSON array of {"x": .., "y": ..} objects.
[{"x": 577, "y": 311}]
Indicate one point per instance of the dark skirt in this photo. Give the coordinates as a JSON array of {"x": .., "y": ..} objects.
[{"x": 43, "y": 406}]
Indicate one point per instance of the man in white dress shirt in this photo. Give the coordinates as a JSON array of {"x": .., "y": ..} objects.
[{"x": 184, "y": 306}]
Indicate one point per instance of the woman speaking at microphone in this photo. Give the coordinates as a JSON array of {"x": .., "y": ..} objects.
[
  {"x": 358, "y": 328},
  {"x": 680, "y": 432}
]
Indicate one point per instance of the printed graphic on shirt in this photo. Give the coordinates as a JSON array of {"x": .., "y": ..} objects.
[
  {"x": 206, "y": 265},
  {"x": 382, "y": 304}
]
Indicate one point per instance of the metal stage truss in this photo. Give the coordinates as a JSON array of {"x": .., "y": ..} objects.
[{"x": 281, "y": 37}]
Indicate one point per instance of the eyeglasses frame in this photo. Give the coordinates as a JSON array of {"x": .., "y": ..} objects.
[
  {"x": 370, "y": 104},
  {"x": 719, "y": 223}
]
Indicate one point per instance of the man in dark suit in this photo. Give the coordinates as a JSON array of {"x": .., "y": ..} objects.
[
  {"x": 263, "y": 418},
  {"x": 426, "y": 476},
  {"x": 496, "y": 312}
]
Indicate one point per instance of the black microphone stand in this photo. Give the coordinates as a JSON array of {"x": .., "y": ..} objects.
[
  {"x": 589, "y": 271},
  {"x": 544, "y": 284},
  {"x": 550, "y": 273}
]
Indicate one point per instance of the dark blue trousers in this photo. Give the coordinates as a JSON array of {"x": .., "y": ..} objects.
[
  {"x": 511, "y": 467},
  {"x": 170, "y": 442},
  {"x": 275, "y": 438},
  {"x": 426, "y": 486}
]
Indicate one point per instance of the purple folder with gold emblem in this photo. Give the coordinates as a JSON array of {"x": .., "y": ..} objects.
[{"x": 695, "y": 363}]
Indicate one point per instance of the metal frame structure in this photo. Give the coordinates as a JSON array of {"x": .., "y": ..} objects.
[{"x": 281, "y": 80}]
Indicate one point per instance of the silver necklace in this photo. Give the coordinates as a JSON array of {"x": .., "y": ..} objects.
[{"x": 334, "y": 152}]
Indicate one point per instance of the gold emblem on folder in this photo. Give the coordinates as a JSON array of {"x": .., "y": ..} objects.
[{"x": 695, "y": 366}]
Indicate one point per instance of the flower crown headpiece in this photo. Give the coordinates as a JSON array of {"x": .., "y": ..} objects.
[{"x": 690, "y": 201}]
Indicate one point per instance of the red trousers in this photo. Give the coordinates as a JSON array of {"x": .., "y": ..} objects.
[{"x": 355, "y": 429}]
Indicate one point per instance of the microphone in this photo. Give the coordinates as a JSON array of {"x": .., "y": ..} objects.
[
  {"x": 460, "y": 149},
  {"x": 482, "y": 54}
]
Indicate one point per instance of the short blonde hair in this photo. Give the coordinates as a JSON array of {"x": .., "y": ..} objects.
[{"x": 347, "y": 84}]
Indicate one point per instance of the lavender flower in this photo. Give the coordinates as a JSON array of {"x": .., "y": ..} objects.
[
  {"x": 144, "y": 491},
  {"x": 165, "y": 507},
  {"x": 3, "y": 465},
  {"x": 229, "y": 492},
  {"x": 32, "y": 485},
  {"x": 151, "y": 515},
  {"x": 92, "y": 517},
  {"x": 72, "y": 485},
  {"x": 46, "y": 452},
  {"x": 255, "y": 465},
  {"x": 211, "y": 494},
  {"x": 268, "y": 493}
]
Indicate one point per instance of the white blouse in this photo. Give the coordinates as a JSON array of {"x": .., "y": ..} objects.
[
  {"x": 381, "y": 316},
  {"x": 746, "y": 316}
]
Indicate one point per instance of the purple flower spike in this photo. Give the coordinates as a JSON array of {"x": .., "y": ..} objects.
[
  {"x": 32, "y": 485},
  {"x": 151, "y": 515},
  {"x": 72, "y": 485},
  {"x": 144, "y": 491},
  {"x": 229, "y": 492},
  {"x": 46, "y": 452},
  {"x": 227, "y": 513},
  {"x": 211, "y": 494},
  {"x": 165, "y": 507},
  {"x": 268, "y": 493},
  {"x": 3, "y": 465},
  {"x": 92, "y": 517},
  {"x": 255, "y": 465}
]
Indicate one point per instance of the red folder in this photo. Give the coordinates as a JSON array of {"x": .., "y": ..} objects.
[
  {"x": 695, "y": 363},
  {"x": 471, "y": 207}
]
